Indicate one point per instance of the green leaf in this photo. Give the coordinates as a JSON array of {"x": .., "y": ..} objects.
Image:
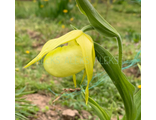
[
  {"x": 96, "y": 20},
  {"x": 98, "y": 112},
  {"x": 18, "y": 92},
  {"x": 18, "y": 115},
  {"x": 125, "y": 88},
  {"x": 139, "y": 66},
  {"x": 23, "y": 93},
  {"x": 137, "y": 100},
  {"x": 23, "y": 108},
  {"x": 118, "y": 117},
  {"x": 124, "y": 118},
  {"x": 100, "y": 24},
  {"x": 81, "y": 10},
  {"x": 101, "y": 113},
  {"x": 74, "y": 28}
]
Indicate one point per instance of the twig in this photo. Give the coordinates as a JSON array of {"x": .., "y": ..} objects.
[{"x": 67, "y": 90}]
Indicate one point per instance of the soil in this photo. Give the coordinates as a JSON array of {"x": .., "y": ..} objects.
[
  {"x": 55, "y": 112},
  {"x": 36, "y": 36},
  {"x": 120, "y": 116},
  {"x": 132, "y": 71}
]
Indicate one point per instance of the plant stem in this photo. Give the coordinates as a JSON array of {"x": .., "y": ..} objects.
[
  {"x": 87, "y": 28},
  {"x": 120, "y": 50},
  {"x": 119, "y": 40}
]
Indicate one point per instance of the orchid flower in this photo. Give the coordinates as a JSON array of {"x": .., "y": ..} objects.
[{"x": 68, "y": 60}]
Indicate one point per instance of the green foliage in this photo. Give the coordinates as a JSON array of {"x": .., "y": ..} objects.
[
  {"x": 47, "y": 29},
  {"x": 112, "y": 67},
  {"x": 133, "y": 36},
  {"x": 23, "y": 108},
  {"x": 23, "y": 9},
  {"x": 28, "y": 77},
  {"x": 108, "y": 97},
  {"x": 139, "y": 66},
  {"x": 44, "y": 8},
  {"x": 137, "y": 99},
  {"x": 101, "y": 113},
  {"x": 127, "y": 7},
  {"x": 47, "y": 108},
  {"x": 100, "y": 24},
  {"x": 125, "y": 88},
  {"x": 120, "y": 1}
]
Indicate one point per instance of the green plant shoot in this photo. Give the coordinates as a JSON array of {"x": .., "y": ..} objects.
[{"x": 82, "y": 50}]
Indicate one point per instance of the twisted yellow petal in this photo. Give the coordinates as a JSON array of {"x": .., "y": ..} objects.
[
  {"x": 74, "y": 79},
  {"x": 93, "y": 46},
  {"x": 87, "y": 50},
  {"x": 84, "y": 75},
  {"x": 52, "y": 44}
]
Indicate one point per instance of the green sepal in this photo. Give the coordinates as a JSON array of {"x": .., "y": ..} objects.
[{"x": 96, "y": 20}]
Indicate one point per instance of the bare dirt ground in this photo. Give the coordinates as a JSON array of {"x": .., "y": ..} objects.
[
  {"x": 57, "y": 112},
  {"x": 132, "y": 71}
]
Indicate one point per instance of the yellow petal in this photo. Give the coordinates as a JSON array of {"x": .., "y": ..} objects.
[
  {"x": 93, "y": 46},
  {"x": 87, "y": 94},
  {"x": 71, "y": 43},
  {"x": 87, "y": 48},
  {"x": 87, "y": 51},
  {"x": 52, "y": 44},
  {"x": 84, "y": 75},
  {"x": 74, "y": 79}
]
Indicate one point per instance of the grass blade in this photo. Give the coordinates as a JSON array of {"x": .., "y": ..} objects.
[{"x": 101, "y": 113}]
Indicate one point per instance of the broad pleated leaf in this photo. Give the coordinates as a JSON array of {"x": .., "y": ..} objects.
[
  {"x": 96, "y": 20},
  {"x": 125, "y": 88},
  {"x": 137, "y": 100}
]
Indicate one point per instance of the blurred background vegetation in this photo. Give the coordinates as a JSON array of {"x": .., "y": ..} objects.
[{"x": 38, "y": 21}]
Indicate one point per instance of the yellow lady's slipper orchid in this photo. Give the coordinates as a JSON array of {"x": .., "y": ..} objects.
[{"x": 68, "y": 60}]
